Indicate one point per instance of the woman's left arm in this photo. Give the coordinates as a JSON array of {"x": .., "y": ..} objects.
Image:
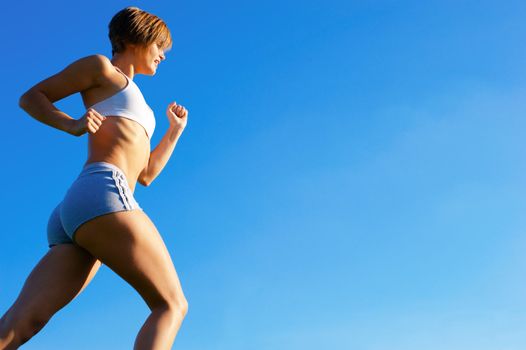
[{"x": 177, "y": 115}]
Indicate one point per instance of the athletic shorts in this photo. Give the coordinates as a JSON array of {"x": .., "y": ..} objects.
[{"x": 99, "y": 189}]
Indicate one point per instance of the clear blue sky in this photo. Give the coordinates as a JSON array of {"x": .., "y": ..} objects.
[{"x": 352, "y": 175}]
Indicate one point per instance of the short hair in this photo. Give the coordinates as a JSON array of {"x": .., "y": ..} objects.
[{"x": 132, "y": 25}]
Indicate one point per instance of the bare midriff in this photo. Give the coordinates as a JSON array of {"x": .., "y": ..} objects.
[{"x": 122, "y": 142}]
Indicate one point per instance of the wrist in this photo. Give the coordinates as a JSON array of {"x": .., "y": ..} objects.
[
  {"x": 68, "y": 125},
  {"x": 177, "y": 129},
  {"x": 174, "y": 132}
]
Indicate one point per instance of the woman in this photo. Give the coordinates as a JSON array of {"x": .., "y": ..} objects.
[{"x": 99, "y": 221}]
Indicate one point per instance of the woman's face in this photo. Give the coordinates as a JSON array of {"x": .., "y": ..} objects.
[{"x": 150, "y": 57}]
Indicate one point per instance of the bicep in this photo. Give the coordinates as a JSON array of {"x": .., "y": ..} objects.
[{"x": 76, "y": 77}]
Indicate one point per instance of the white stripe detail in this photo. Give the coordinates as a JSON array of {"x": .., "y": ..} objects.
[{"x": 121, "y": 190}]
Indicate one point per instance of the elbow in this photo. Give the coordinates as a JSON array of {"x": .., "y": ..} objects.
[
  {"x": 25, "y": 99},
  {"x": 22, "y": 101},
  {"x": 143, "y": 178},
  {"x": 144, "y": 182}
]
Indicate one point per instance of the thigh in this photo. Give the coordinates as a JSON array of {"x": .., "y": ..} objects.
[
  {"x": 129, "y": 243},
  {"x": 58, "y": 278}
]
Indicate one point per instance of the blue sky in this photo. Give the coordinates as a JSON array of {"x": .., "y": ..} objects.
[{"x": 351, "y": 177}]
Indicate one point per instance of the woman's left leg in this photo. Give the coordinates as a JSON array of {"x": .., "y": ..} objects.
[{"x": 58, "y": 278}]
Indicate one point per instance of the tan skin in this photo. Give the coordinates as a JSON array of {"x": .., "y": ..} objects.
[{"x": 115, "y": 239}]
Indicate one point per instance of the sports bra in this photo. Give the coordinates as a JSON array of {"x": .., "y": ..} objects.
[{"x": 128, "y": 103}]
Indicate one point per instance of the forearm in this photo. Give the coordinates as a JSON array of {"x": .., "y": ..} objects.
[
  {"x": 38, "y": 106},
  {"x": 161, "y": 154}
]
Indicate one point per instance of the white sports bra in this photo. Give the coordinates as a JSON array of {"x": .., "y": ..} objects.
[{"x": 128, "y": 103}]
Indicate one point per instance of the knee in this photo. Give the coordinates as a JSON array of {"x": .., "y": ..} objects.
[
  {"x": 178, "y": 305},
  {"x": 18, "y": 329},
  {"x": 29, "y": 328},
  {"x": 171, "y": 300},
  {"x": 172, "y": 312},
  {"x": 7, "y": 334},
  {"x": 184, "y": 307}
]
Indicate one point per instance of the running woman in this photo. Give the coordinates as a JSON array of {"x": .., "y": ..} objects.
[{"x": 99, "y": 220}]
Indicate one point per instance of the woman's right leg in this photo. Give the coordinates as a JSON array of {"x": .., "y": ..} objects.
[{"x": 128, "y": 243}]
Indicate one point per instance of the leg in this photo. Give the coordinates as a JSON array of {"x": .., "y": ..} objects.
[
  {"x": 57, "y": 279},
  {"x": 128, "y": 243}
]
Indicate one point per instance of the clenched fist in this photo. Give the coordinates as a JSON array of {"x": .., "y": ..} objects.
[
  {"x": 89, "y": 122},
  {"x": 177, "y": 115}
]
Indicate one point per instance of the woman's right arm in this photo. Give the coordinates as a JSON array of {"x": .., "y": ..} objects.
[{"x": 78, "y": 76}]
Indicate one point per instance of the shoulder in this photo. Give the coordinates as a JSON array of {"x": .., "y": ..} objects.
[
  {"x": 92, "y": 69},
  {"x": 99, "y": 65},
  {"x": 97, "y": 60},
  {"x": 96, "y": 63},
  {"x": 101, "y": 61}
]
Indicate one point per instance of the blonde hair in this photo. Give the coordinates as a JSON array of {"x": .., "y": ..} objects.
[{"x": 132, "y": 25}]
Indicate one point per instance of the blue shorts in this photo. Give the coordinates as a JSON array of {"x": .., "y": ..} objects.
[{"x": 100, "y": 188}]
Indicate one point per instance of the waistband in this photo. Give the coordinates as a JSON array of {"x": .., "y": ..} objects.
[
  {"x": 101, "y": 166},
  {"x": 117, "y": 174}
]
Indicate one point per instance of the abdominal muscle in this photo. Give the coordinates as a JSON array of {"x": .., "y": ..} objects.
[{"x": 122, "y": 142}]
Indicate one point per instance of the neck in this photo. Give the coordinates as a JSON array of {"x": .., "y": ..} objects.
[{"x": 124, "y": 65}]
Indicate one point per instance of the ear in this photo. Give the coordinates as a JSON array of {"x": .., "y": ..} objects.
[{"x": 138, "y": 49}]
